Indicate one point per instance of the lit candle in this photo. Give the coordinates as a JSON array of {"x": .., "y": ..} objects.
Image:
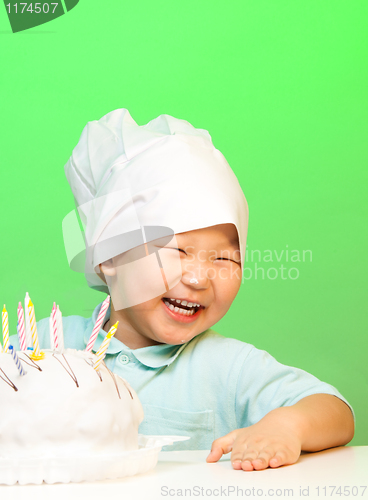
[
  {"x": 37, "y": 354},
  {"x": 98, "y": 324},
  {"x": 4, "y": 317},
  {"x": 21, "y": 328},
  {"x": 105, "y": 344},
  {"x": 17, "y": 361},
  {"x": 60, "y": 332}
]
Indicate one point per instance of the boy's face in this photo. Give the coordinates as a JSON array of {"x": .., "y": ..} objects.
[{"x": 211, "y": 277}]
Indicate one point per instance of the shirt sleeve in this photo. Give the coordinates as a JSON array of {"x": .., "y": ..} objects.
[{"x": 265, "y": 384}]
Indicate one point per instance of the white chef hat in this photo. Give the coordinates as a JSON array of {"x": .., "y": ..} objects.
[{"x": 166, "y": 174}]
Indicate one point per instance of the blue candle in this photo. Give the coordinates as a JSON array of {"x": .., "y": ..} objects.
[{"x": 16, "y": 360}]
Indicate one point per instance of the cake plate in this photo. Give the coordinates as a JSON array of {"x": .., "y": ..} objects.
[{"x": 75, "y": 469}]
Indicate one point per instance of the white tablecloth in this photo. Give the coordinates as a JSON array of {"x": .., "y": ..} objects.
[{"x": 185, "y": 474}]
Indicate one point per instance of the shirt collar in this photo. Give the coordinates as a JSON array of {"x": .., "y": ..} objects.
[{"x": 153, "y": 356}]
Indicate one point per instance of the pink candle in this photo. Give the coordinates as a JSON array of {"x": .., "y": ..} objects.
[
  {"x": 54, "y": 331},
  {"x": 59, "y": 326},
  {"x": 98, "y": 324},
  {"x": 22, "y": 331}
]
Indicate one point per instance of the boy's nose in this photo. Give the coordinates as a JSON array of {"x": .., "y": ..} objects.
[{"x": 195, "y": 279}]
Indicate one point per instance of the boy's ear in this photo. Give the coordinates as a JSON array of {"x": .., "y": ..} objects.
[{"x": 107, "y": 268}]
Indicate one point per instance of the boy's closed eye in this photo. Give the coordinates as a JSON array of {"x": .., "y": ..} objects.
[{"x": 218, "y": 258}]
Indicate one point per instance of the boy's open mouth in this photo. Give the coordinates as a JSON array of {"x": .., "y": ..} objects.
[{"x": 181, "y": 307}]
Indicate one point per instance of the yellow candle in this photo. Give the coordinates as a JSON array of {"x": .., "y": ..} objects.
[
  {"x": 105, "y": 344},
  {"x": 37, "y": 354},
  {"x": 4, "y": 317}
]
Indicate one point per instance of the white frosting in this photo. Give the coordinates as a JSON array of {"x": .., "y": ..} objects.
[{"x": 49, "y": 416}]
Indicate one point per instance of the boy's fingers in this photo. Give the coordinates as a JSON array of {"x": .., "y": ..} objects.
[
  {"x": 243, "y": 458},
  {"x": 221, "y": 446},
  {"x": 278, "y": 459},
  {"x": 214, "y": 455},
  {"x": 263, "y": 459}
]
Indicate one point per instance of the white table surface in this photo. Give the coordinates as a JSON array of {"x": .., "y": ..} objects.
[{"x": 186, "y": 474}]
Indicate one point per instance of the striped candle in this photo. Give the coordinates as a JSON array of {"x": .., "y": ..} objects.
[
  {"x": 4, "y": 317},
  {"x": 32, "y": 323},
  {"x": 1, "y": 348},
  {"x": 54, "y": 341},
  {"x": 16, "y": 361},
  {"x": 60, "y": 331},
  {"x": 105, "y": 344},
  {"x": 27, "y": 323},
  {"x": 98, "y": 324},
  {"x": 21, "y": 328}
]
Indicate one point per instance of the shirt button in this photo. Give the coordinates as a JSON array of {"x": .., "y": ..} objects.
[{"x": 124, "y": 359}]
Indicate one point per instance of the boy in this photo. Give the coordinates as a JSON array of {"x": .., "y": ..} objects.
[{"x": 165, "y": 230}]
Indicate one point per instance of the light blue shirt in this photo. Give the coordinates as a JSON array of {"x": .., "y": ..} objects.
[{"x": 204, "y": 389}]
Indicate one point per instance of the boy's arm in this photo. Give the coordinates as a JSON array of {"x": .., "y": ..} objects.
[
  {"x": 314, "y": 423},
  {"x": 323, "y": 421}
]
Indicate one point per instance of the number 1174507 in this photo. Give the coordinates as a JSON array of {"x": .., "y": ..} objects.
[{"x": 33, "y": 8}]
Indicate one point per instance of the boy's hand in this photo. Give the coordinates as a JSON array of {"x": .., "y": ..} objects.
[
  {"x": 265, "y": 444},
  {"x": 314, "y": 423}
]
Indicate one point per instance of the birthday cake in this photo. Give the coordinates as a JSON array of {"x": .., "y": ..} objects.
[
  {"x": 63, "y": 407},
  {"x": 64, "y": 416}
]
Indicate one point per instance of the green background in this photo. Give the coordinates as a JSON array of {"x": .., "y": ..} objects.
[{"x": 282, "y": 88}]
